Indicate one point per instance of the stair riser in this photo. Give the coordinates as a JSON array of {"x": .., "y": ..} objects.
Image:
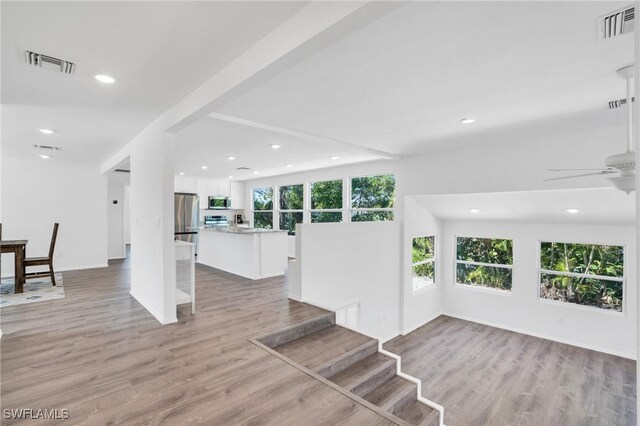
[
  {"x": 297, "y": 331},
  {"x": 348, "y": 359},
  {"x": 373, "y": 380},
  {"x": 398, "y": 403}
]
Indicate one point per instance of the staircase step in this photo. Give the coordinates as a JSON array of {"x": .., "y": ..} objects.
[
  {"x": 347, "y": 359},
  {"x": 366, "y": 375},
  {"x": 296, "y": 331},
  {"x": 319, "y": 349},
  {"x": 419, "y": 414},
  {"x": 393, "y": 395}
]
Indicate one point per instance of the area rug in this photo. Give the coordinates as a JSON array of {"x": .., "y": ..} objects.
[{"x": 35, "y": 290}]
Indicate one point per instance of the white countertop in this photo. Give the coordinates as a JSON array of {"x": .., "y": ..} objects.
[
  {"x": 237, "y": 230},
  {"x": 179, "y": 243}
]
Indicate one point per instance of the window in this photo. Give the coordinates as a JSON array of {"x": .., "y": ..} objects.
[
  {"x": 423, "y": 262},
  {"x": 263, "y": 208},
  {"x": 584, "y": 274},
  {"x": 326, "y": 201},
  {"x": 484, "y": 262},
  {"x": 372, "y": 198},
  {"x": 291, "y": 205}
]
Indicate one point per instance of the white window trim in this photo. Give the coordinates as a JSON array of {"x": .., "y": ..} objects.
[
  {"x": 569, "y": 305},
  {"x": 276, "y": 216},
  {"x": 309, "y": 210},
  {"x": 471, "y": 262},
  {"x": 351, "y": 209},
  {"x": 422, "y": 262},
  {"x": 253, "y": 207}
]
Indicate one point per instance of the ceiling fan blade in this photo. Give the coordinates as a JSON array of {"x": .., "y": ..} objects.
[
  {"x": 581, "y": 170},
  {"x": 601, "y": 173}
]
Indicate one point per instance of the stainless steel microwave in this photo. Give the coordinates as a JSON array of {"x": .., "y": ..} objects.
[{"x": 219, "y": 203}]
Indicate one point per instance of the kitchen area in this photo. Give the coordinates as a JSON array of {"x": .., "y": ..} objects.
[{"x": 210, "y": 214}]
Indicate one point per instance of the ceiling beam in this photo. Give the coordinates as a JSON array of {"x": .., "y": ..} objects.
[
  {"x": 301, "y": 135},
  {"x": 316, "y": 26}
]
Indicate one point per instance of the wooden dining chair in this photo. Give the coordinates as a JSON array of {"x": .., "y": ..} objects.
[{"x": 43, "y": 261}]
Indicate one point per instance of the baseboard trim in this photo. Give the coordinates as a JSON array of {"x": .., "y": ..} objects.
[
  {"x": 161, "y": 319},
  {"x": 420, "y": 324},
  {"x": 543, "y": 336}
]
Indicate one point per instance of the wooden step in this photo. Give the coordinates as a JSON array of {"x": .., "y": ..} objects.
[
  {"x": 296, "y": 331},
  {"x": 326, "y": 347},
  {"x": 393, "y": 395},
  {"x": 419, "y": 414},
  {"x": 347, "y": 359},
  {"x": 366, "y": 375}
]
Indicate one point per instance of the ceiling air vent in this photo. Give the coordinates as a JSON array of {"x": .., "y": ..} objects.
[
  {"x": 616, "y": 23},
  {"x": 122, "y": 171},
  {"x": 243, "y": 168},
  {"x": 619, "y": 103},
  {"x": 43, "y": 61},
  {"x": 47, "y": 148}
]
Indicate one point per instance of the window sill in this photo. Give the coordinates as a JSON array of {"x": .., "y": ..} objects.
[
  {"x": 585, "y": 308},
  {"x": 488, "y": 290}
]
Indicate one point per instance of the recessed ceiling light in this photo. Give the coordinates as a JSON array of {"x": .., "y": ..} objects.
[
  {"x": 275, "y": 146},
  {"x": 181, "y": 173},
  {"x": 335, "y": 157},
  {"x": 573, "y": 211},
  {"x": 231, "y": 157},
  {"x": 230, "y": 177},
  {"x": 289, "y": 165},
  {"x": 255, "y": 172},
  {"x": 474, "y": 211},
  {"x": 203, "y": 167},
  {"x": 47, "y": 131},
  {"x": 45, "y": 156},
  {"x": 105, "y": 79},
  {"x": 468, "y": 120}
]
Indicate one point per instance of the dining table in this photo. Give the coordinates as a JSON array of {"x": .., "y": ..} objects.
[{"x": 18, "y": 248}]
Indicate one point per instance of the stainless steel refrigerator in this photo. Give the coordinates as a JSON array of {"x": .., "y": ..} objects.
[{"x": 186, "y": 217}]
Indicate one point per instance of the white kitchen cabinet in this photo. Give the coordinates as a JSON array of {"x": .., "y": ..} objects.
[
  {"x": 224, "y": 188},
  {"x": 202, "y": 193},
  {"x": 185, "y": 184},
  {"x": 237, "y": 195}
]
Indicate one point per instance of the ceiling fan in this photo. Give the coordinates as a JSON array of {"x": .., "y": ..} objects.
[{"x": 623, "y": 164}]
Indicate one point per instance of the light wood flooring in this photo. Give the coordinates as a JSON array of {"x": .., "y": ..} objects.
[
  {"x": 489, "y": 376},
  {"x": 103, "y": 357}
]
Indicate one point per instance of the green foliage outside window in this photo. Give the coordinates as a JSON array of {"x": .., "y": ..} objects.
[
  {"x": 586, "y": 259},
  {"x": 291, "y": 197},
  {"x": 263, "y": 199},
  {"x": 373, "y": 192},
  {"x": 370, "y": 216},
  {"x": 423, "y": 262},
  {"x": 288, "y": 221},
  {"x": 324, "y": 217},
  {"x": 484, "y": 250},
  {"x": 326, "y": 195},
  {"x": 263, "y": 220}
]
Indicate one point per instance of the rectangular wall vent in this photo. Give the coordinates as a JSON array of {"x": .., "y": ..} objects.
[
  {"x": 47, "y": 148},
  {"x": 616, "y": 23},
  {"x": 43, "y": 61},
  {"x": 619, "y": 103}
]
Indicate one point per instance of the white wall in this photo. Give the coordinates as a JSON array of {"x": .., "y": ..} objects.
[
  {"x": 340, "y": 263},
  {"x": 522, "y": 310},
  {"x": 36, "y": 193},
  {"x": 126, "y": 213},
  {"x": 115, "y": 214},
  {"x": 420, "y": 306}
]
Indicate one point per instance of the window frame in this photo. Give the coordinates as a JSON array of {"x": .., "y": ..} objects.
[
  {"x": 433, "y": 260},
  {"x": 481, "y": 288},
  {"x": 280, "y": 211},
  {"x": 253, "y": 205},
  {"x": 350, "y": 209},
  {"x": 311, "y": 210},
  {"x": 570, "y": 305}
]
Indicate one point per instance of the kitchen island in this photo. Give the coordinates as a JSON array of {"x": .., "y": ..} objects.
[{"x": 249, "y": 252}]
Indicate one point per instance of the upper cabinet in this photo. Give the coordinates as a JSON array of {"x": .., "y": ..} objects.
[
  {"x": 237, "y": 195},
  {"x": 185, "y": 184}
]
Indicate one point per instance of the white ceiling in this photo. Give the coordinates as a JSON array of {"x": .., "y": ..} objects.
[
  {"x": 157, "y": 51},
  {"x": 398, "y": 85},
  {"x": 406, "y": 80},
  {"x": 596, "y": 205}
]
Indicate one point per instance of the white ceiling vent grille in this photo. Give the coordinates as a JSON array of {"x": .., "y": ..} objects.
[
  {"x": 616, "y": 23},
  {"x": 619, "y": 103},
  {"x": 47, "y": 148},
  {"x": 43, "y": 61}
]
